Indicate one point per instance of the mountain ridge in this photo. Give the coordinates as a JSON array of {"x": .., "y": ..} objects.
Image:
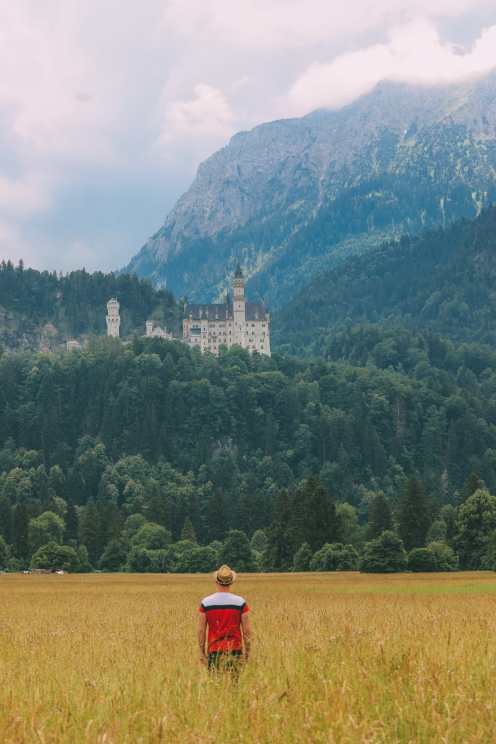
[{"x": 396, "y": 160}]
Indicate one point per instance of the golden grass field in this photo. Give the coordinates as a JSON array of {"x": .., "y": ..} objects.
[{"x": 112, "y": 659}]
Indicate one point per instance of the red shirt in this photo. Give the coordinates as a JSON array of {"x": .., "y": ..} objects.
[{"x": 224, "y": 611}]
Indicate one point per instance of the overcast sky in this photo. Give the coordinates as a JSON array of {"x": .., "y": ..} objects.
[{"x": 108, "y": 106}]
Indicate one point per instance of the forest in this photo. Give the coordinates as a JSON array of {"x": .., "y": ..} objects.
[
  {"x": 442, "y": 281},
  {"x": 45, "y": 308},
  {"x": 152, "y": 457},
  {"x": 367, "y": 440}
]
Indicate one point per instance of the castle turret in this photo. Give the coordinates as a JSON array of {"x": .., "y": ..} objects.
[
  {"x": 113, "y": 318},
  {"x": 239, "y": 306}
]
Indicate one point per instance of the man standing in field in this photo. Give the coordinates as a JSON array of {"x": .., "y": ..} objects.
[{"x": 226, "y": 616}]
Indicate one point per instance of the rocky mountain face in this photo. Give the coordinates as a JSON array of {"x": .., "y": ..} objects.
[{"x": 291, "y": 197}]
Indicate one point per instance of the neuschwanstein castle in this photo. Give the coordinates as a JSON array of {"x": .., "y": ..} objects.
[{"x": 235, "y": 322}]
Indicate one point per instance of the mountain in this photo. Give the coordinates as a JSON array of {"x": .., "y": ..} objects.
[
  {"x": 293, "y": 196},
  {"x": 443, "y": 281},
  {"x": 41, "y": 310}
]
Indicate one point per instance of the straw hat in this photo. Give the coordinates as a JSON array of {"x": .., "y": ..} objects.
[{"x": 225, "y": 576}]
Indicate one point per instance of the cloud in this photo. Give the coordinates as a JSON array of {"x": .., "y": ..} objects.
[
  {"x": 24, "y": 196},
  {"x": 44, "y": 81},
  {"x": 414, "y": 53},
  {"x": 201, "y": 123},
  {"x": 286, "y": 24},
  {"x": 106, "y": 108}
]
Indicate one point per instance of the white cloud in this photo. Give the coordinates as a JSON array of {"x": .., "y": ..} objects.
[
  {"x": 286, "y": 24},
  {"x": 44, "y": 82},
  {"x": 107, "y": 106},
  {"x": 206, "y": 114},
  {"x": 24, "y": 196},
  {"x": 193, "y": 128},
  {"x": 415, "y": 53}
]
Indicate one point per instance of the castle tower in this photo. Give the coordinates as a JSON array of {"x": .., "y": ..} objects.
[
  {"x": 113, "y": 318},
  {"x": 149, "y": 328},
  {"x": 239, "y": 306}
]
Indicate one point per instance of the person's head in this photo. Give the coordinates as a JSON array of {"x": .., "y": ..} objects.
[{"x": 224, "y": 577}]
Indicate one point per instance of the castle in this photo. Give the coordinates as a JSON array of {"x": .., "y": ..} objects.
[
  {"x": 208, "y": 327},
  {"x": 240, "y": 323}
]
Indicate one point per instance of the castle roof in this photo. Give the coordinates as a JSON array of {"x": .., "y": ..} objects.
[{"x": 212, "y": 312}]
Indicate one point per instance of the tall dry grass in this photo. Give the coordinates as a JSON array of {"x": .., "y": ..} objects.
[{"x": 337, "y": 658}]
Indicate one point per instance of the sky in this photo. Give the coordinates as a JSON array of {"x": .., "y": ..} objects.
[{"x": 108, "y": 106}]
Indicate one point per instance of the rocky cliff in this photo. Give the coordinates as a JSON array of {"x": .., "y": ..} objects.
[{"x": 292, "y": 196}]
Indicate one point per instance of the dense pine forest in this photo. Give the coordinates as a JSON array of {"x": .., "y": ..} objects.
[
  {"x": 443, "y": 281},
  {"x": 150, "y": 456},
  {"x": 43, "y": 309},
  {"x": 368, "y": 439}
]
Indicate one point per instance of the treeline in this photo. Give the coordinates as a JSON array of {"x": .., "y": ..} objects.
[
  {"x": 155, "y": 436},
  {"x": 308, "y": 531},
  {"x": 74, "y": 304},
  {"x": 442, "y": 281}
]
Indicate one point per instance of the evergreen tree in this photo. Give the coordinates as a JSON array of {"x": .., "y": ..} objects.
[
  {"x": 84, "y": 565},
  {"x": 449, "y": 516},
  {"x": 90, "y": 531},
  {"x": 4, "y": 553},
  {"x": 110, "y": 520},
  {"x": 188, "y": 531},
  {"x": 57, "y": 481},
  {"x": 20, "y": 522},
  {"x": 302, "y": 558},
  {"x": 157, "y": 503},
  {"x": 380, "y": 516},
  {"x": 414, "y": 517},
  {"x": 279, "y": 553},
  {"x": 71, "y": 523},
  {"x": 5, "y": 519},
  {"x": 215, "y": 516},
  {"x": 471, "y": 485},
  {"x": 316, "y": 521}
]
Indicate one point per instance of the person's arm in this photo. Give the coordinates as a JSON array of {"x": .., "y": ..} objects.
[
  {"x": 246, "y": 628},
  {"x": 202, "y": 635}
]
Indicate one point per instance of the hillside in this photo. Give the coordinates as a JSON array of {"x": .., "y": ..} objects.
[
  {"x": 43, "y": 310},
  {"x": 115, "y": 436},
  {"x": 443, "y": 281},
  {"x": 291, "y": 196}
]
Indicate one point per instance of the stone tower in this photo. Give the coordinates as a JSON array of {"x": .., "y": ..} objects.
[
  {"x": 113, "y": 318},
  {"x": 239, "y": 306}
]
